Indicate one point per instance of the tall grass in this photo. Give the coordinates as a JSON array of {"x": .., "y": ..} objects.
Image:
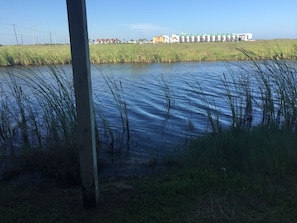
[
  {"x": 261, "y": 138},
  {"x": 34, "y": 55},
  {"x": 208, "y": 106},
  {"x": 49, "y": 114},
  {"x": 145, "y": 53},
  {"x": 168, "y": 94},
  {"x": 239, "y": 98},
  {"x": 116, "y": 90},
  {"x": 38, "y": 117},
  {"x": 258, "y": 92},
  {"x": 38, "y": 121},
  {"x": 277, "y": 84}
]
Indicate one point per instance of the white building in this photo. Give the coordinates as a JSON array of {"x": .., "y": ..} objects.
[
  {"x": 166, "y": 39},
  {"x": 212, "y": 38},
  {"x": 218, "y": 38},
  {"x": 175, "y": 38},
  {"x": 198, "y": 38},
  {"x": 191, "y": 38},
  {"x": 245, "y": 36}
]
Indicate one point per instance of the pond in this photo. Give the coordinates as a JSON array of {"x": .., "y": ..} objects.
[{"x": 149, "y": 110}]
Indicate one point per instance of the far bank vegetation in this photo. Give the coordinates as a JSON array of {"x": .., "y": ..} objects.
[{"x": 147, "y": 53}]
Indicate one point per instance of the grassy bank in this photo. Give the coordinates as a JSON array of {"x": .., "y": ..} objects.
[
  {"x": 240, "y": 177},
  {"x": 149, "y": 53}
]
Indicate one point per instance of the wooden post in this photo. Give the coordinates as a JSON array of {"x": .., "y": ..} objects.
[{"x": 84, "y": 103}]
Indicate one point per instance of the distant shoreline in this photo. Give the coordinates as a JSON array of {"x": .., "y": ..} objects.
[{"x": 29, "y": 55}]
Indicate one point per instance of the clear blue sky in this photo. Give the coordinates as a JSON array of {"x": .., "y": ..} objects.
[{"x": 131, "y": 19}]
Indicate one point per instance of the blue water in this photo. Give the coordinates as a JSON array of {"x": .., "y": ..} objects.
[
  {"x": 154, "y": 126},
  {"x": 166, "y": 104}
]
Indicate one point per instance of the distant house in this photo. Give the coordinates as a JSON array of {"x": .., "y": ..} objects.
[
  {"x": 107, "y": 41},
  {"x": 131, "y": 41},
  {"x": 167, "y": 39},
  {"x": 245, "y": 36},
  {"x": 158, "y": 39},
  {"x": 143, "y": 41}
]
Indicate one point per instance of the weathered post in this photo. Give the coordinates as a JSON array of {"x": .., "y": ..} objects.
[{"x": 77, "y": 22}]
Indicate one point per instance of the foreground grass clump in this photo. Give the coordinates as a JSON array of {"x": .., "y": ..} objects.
[
  {"x": 213, "y": 181},
  {"x": 260, "y": 150},
  {"x": 146, "y": 53}
]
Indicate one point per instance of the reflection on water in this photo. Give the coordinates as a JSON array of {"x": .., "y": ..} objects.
[
  {"x": 165, "y": 104},
  {"x": 143, "y": 86}
]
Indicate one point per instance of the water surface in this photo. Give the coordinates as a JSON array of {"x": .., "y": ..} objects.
[{"x": 166, "y": 104}]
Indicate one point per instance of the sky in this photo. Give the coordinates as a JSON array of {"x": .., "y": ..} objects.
[{"x": 39, "y": 21}]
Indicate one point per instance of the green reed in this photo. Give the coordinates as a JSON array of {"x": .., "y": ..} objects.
[
  {"x": 239, "y": 98},
  {"x": 277, "y": 84},
  {"x": 38, "y": 121},
  {"x": 168, "y": 94},
  {"x": 46, "y": 119},
  {"x": 34, "y": 55},
  {"x": 254, "y": 145},
  {"x": 116, "y": 90},
  {"x": 208, "y": 106},
  {"x": 55, "y": 99},
  {"x": 103, "y": 123},
  {"x": 146, "y": 53}
]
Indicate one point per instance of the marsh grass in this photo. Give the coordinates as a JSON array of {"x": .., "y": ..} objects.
[
  {"x": 239, "y": 98},
  {"x": 56, "y": 100},
  {"x": 38, "y": 117},
  {"x": 147, "y": 53},
  {"x": 207, "y": 106},
  {"x": 260, "y": 92},
  {"x": 277, "y": 84},
  {"x": 168, "y": 94},
  {"x": 261, "y": 138},
  {"x": 35, "y": 129},
  {"x": 34, "y": 55},
  {"x": 107, "y": 135},
  {"x": 116, "y": 90}
]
